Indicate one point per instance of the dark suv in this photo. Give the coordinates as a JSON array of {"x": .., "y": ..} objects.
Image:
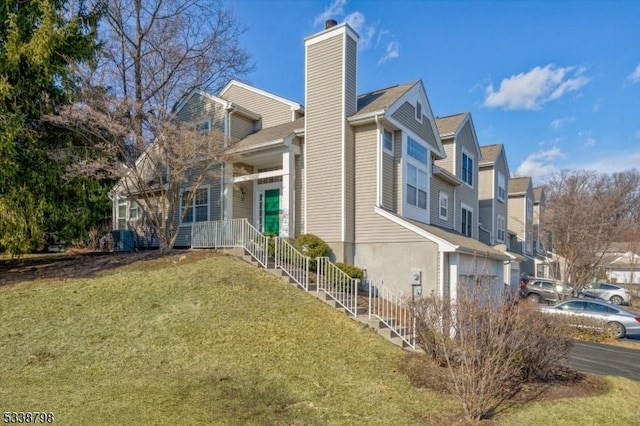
[{"x": 537, "y": 290}]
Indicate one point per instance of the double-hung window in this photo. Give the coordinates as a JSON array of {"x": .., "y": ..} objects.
[
  {"x": 387, "y": 141},
  {"x": 502, "y": 187},
  {"x": 467, "y": 168},
  {"x": 467, "y": 221},
  {"x": 443, "y": 208},
  {"x": 198, "y": 211},
  {"x": 122, "y": 214},
  {"x": 203, "y": 127},
  {"x": 417, "y": 174},
  {"x": 501, "y": 228}
]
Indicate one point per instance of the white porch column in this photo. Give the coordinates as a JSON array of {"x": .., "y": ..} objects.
[
  {"x": 287, "y": 207},
  {"x": 227, "y": 192}
]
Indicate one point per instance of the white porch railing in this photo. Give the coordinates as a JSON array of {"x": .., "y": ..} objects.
[
  {"x": 393, "y": 311},
  {"x": 338, "y": 285},
  {"x": 292, "y": 262},
  {"x": 231, "y": 233}
]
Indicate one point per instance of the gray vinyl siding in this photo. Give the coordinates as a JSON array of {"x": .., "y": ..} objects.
[
  {"x": 501, "y": 207},
  {"x": 213, "y": 181},
  {"x": 200, "y": 108},
  {"x": 241, "y": 126},
  {"x": 299, "y": 193},
  {"x": 487, "y": 218},
  {"x": 273, "y": 111},
  {"x": 437, "y": 186},
  {"x": 406, "y": 115},
  {"x": 466, "y": 194},
  {"x": 325, "y": 125},
  {"x": 369, "y": 226}
]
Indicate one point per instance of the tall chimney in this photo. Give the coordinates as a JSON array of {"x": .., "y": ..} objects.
[{"x": 330, "y": 98}]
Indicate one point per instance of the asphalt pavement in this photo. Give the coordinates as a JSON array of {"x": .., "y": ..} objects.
[{"x": 604, "y": 359}]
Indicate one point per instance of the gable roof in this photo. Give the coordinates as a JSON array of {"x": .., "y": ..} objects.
[
  {"x": 449, "y": 125},
  {"x": 490, "y": 153},
  {"x": 519, "y": 185},
  {"x": 269, "y": 135},
  {"x": 381, "y": 99},
  {"x": 538, "y": 192},
  {"x": 294, "y": 105}
]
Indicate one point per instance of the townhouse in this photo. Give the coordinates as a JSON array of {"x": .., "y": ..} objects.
[{"x": 391, "y": 188}]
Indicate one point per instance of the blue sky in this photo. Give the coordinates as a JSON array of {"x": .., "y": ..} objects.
[{"x": 557, "y": 82}]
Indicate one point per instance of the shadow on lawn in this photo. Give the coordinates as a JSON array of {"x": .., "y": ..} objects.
[{"x": 72, "y": 264}]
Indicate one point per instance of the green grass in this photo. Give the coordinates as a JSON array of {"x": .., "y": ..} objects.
[{"x": 211, "y": 340}]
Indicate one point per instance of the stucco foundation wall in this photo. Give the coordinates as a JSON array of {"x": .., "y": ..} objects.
[{"x": 393, "y": 262}]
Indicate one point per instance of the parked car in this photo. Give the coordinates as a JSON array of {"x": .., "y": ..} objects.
[
  {"x": 582, "y": 295},
  {"x": 617, "y": 320},
  {"x": 611, "y": 292},
  {"x": 537, "y": 290}
]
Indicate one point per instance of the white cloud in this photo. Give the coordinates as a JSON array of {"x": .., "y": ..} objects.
[
  {"x": 590, "y": 142},
  {"x": 334, "y": 10},
  {"x": 393, "y": 51},
  {"x": 560, "y": 122},
  {"x": 540, "y": 165},
  {"x": 533, "y": 89},
  {"x": 596, "y": 106},
  {"x": 366, "y": 32},
  {"x": 610, "y": 162},
  {"x": 635, "y": 75},
  {"x": 370, "y": 33}
]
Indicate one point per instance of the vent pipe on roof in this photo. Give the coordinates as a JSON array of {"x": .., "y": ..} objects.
[{"x": 330, "y": 23}]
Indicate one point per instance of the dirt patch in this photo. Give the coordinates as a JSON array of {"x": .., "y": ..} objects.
[
  {"x": 562, "y": 383},
  {"x": 85, "y": 263}
]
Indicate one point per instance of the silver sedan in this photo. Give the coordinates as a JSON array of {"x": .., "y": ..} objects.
[{"x": 617, "y": 321}]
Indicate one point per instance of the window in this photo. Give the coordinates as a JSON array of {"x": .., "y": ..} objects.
[
  {"x": 416, "y": 187},
  {"x": 529, "y": 208},
  {"x": 501, "y": 228},
  {"x": 467, "y": 221},
  {"x": 199, "y": 209},
  {"x": 387, "y": 140},
  {"x": 443, "y": 210},
  {"x": 467, "y": 168},
  {"x": 419, "y": 111},
  {"x": 133, "y": 210},
  {"x": 122, "y": 214},
  {"x": 417, "y": 150},
  {"x": 203, "y": 128},
  {"x": 502, "y": 187}
]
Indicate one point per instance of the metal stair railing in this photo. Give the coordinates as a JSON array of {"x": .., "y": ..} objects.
[
  {"x": 230, "y": 233},
  {"x": 338, "y": 285},
  {"x": 292, "y": 262},
  {"x": 393, "y": 311}
]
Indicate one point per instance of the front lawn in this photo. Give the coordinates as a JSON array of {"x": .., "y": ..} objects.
[{"x": 201, "y": 338}]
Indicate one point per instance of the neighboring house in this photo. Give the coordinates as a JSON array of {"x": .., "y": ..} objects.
[
  {"x": 520, "y": 222},
  {"x": 546, "y": 264},
  {"x": 462, "y": 159},
  {"x": 621, "y": 263},
  {"x": 369, "y": 173},
  {"x": 493, "y": 200}
]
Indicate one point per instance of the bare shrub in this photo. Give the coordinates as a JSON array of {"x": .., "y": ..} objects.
[{"x": 491, "y": 346}]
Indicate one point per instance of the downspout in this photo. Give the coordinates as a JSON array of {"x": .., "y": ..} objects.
[{"x": 379, "y": 173}]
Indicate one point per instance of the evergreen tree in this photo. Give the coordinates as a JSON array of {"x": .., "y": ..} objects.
[{"x": 41, "y": 41}]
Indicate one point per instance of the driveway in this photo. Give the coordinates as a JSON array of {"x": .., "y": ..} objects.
[{"x": 606, "y": 359}]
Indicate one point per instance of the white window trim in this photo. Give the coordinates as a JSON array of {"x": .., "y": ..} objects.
[
  {"x": 504, "y": 231},
  {"x": 384, "y": 148},
  {"x": 463, "y": 206},
  {"x": 443, "y": 197},
  {"x": 193, "y": 210},
  {"x": 473, "y": 166},
  {"x": 419, "y": 116},
  {"x": 502, "y": 178}
]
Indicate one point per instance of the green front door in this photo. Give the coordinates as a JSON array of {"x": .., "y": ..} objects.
[{"x": 272, "y": 211}]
